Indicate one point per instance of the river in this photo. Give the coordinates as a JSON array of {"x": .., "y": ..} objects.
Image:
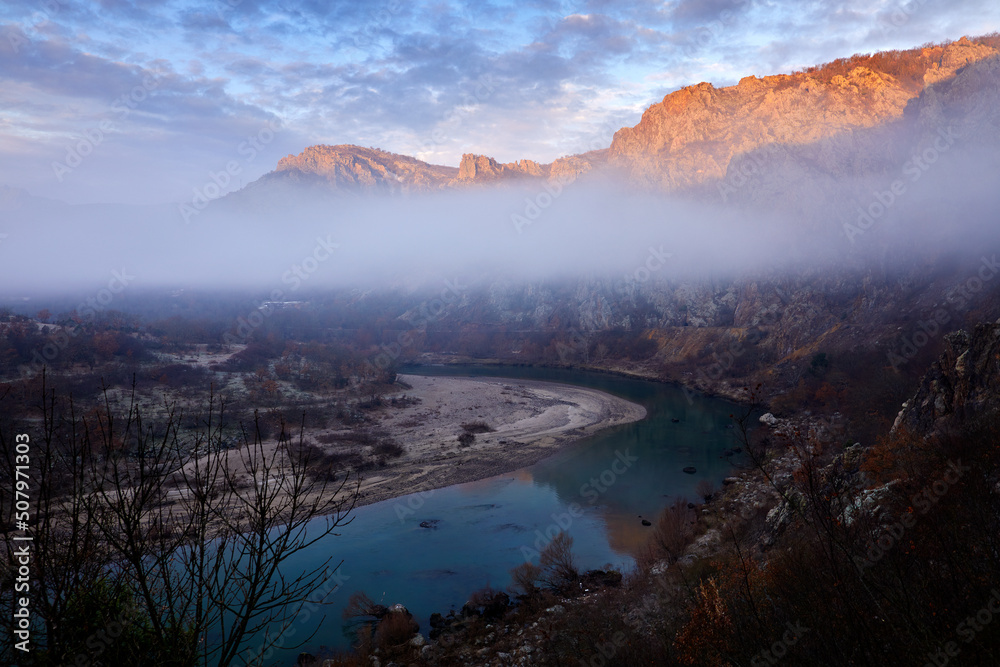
[{"x": 474, "y": 533}]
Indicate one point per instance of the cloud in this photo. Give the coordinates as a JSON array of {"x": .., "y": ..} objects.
[
  {"x": 694, "y": 13},
  {"x": 588, "y": 229},
  {"x": 405, "y": 76}
]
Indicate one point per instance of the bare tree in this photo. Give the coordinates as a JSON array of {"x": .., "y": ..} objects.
[
  {"x": 193, "y": 537},
  {"x": 674, "y": 530},
  {"x": 559, "y": 569},
  {"x": 705, "y": 489},
  {"x": 69, "y": 564}
]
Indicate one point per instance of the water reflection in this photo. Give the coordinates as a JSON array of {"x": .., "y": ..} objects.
[{"x": 463, "y": 537}]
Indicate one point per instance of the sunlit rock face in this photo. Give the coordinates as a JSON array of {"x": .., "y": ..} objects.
[
  {"x": 695, "y": 133},
  {"x": 355, "y": 168},
  {"x": 482, "y": 168},
  {"x": 825, "y": 119}
]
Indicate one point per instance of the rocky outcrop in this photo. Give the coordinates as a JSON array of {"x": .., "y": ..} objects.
[
  {"x": 480, "y": 168},
  {"x": 947, "y": 60},
  {"x": 967, "y": 102},
  {"x": 353, "y": 169},
  {"x": 695, "y": 133},
  {"x": 477, "y": 169},
  {"x": 357, "y": 169},
  {"x": 963, "y": 384},
  {"x": 568, "y": 169}
]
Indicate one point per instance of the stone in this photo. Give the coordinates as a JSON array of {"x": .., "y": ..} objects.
[{"x": 768, "y": 419}]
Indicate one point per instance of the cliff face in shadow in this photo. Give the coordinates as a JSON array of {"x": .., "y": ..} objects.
[{"x": 963, "y": 384}]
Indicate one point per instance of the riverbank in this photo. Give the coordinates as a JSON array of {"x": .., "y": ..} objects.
[
  {"x": 529, "y": 421},
  {"x": 689, "y": 381}
]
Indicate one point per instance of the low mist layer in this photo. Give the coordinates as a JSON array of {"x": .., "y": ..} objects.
[{"x": 589, "y": 228}]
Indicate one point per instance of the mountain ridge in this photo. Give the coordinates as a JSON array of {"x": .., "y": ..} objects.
[{"x": 691, "y": 137}]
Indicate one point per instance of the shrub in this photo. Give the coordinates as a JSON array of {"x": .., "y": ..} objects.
[
  {"x": 559, "y": 570},
  {"x": 524, "y": 579},
  {"x": 705, "y": 489},
  {"x": 322, "y": 464},
  {"x": 394, "y": 629},
  {"x": 388, "y": 449},
  {"x": 673, "y": 533},
  {"x": 179, "y": 375},
  {"x": 477, "y": 427},
  {"x": 487, "y": 602}
]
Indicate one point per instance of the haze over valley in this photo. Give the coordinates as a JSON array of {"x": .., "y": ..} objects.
[{"x": 619, "y": 366}]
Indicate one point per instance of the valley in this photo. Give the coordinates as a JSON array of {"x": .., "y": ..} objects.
[{"x": 721, "y": 389}]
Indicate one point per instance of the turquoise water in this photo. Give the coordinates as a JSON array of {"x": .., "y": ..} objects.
[{"x": 596, "y": 489}]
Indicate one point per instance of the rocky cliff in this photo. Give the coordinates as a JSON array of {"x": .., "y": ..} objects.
[
  {"x": 819, "y": 118},
  {"x": 353, "y": 168},
  {"x": 480, "y": 168},
  {"x": 964, "y": 383},
  {"x": 695, "y": 133}
]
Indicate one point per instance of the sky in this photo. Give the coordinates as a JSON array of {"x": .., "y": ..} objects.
[{"x": 142, "y": 101}]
